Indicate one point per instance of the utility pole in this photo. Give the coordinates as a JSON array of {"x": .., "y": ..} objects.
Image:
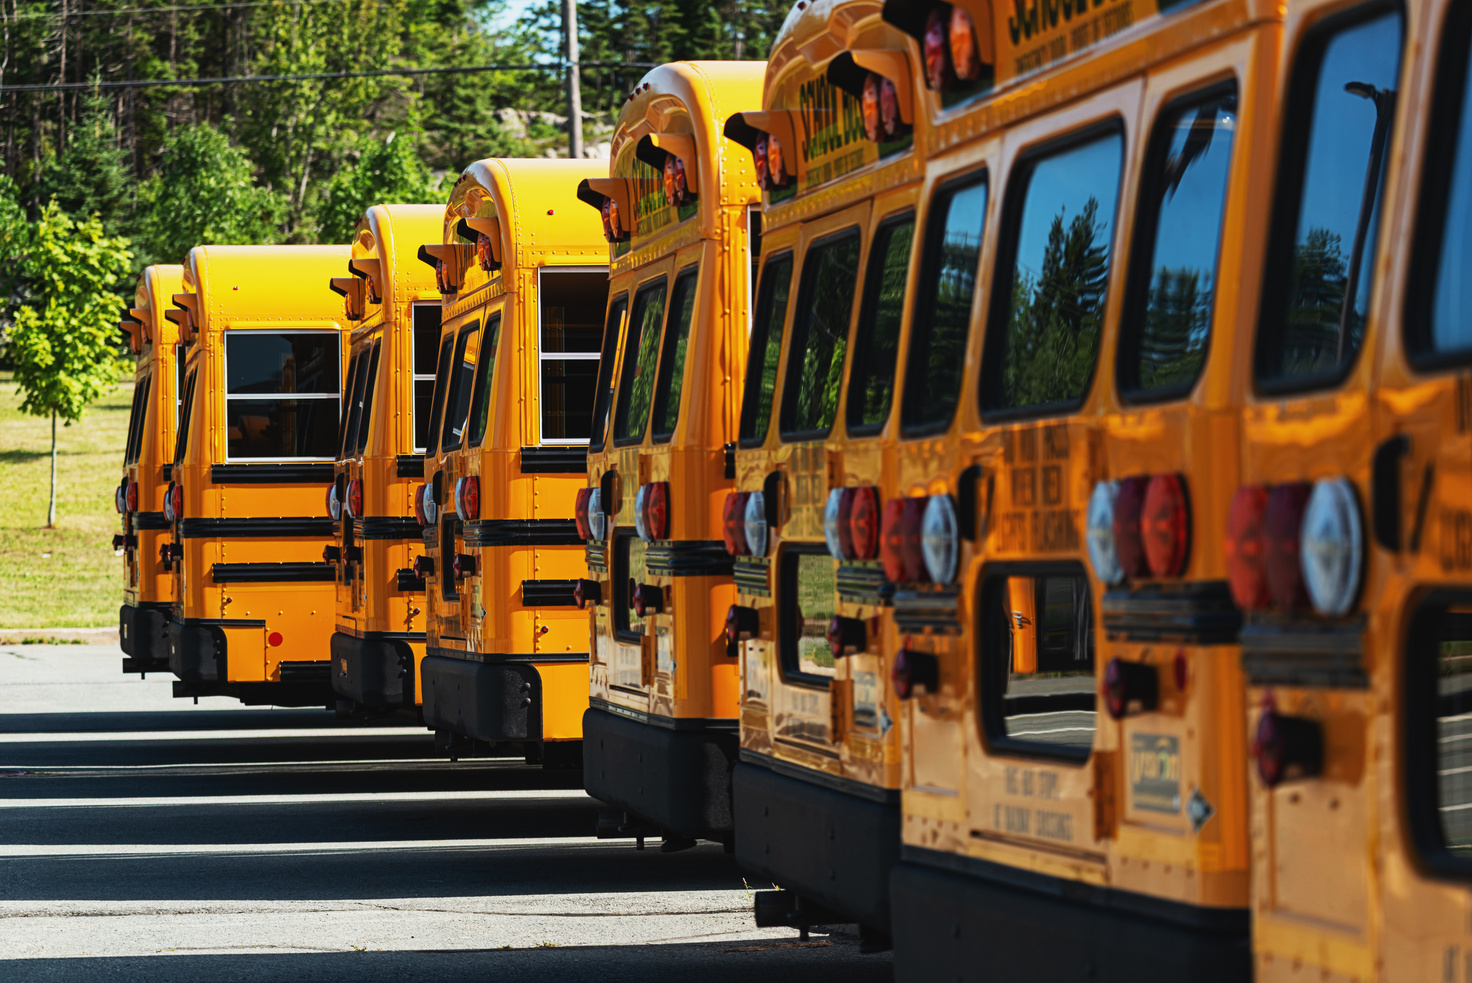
[{"x": 574, "y": 87}]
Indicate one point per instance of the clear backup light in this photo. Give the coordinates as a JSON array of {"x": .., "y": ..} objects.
[
  {"x": 940, "y": 538},
  {"x": 832, "y": 510},
  {"x": 597, "y": 518},
  {"x": 168, "y": 503},
  {"x": 756, "y": 523},
  {"x": 431, "y": 508},
  {"x": 117, "y": 499},
  {"x": 334, "y": 503},
  {"x": 1099, "y": 531},
  {"x": 420, "y": 515},
  {"x": 641, "y": 526},
  {"x": 1332, "y": 547}
]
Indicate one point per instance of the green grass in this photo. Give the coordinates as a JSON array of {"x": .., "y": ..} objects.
[{"x": 67, "y": 577}]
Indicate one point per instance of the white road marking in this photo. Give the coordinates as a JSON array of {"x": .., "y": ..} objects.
[
  {"x": 477, "y": 795},
  {"x": 93, "y": 737},
  {"x": 367, "y": 846}
]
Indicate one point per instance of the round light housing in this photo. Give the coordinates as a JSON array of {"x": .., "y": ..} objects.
[
  {"x": 1332, "y": 547},
  {"x": 832, "y": 518},
  {"x": 864, "y": 523},
  {"x": 355, "y": 498},
  {"x": 1165, "y": 525},
  {"x": 597, "y": 518},
  {"x": 431, "y": 509},
  {"x": 759, "y": 156},
  {"x": 467, "y": 497},
  {"x": 657, "y": 510},
  {"x": 580, "y": 513},
  {"x": 130, "y": 497},
  {"x": 776, "y": 169},
  {"x": 733, "y": 523},
  {"x": 1282, "y": 525},
  {"x": 756, "y": 523},
  {"x": 1099, "y": 532},
  {"x": 938, "y": 74},
  {"x": 334, "y": 503},
  {"x": 1246, "y": 570},
  {"x": 869, "y": 106},
  {"x": 940, "y": 538},
  {"x": 641, "y": 525},
  {"x": 965, "y": 59},
  {"x": 1129, "y": 548},
  {"x": 118, "y": 498},
  {"x": 174, "y": 502}
]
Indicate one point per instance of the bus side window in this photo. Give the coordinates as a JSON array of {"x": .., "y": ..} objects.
[
  {"x": 672, "y": 359},
  {"x": 571, "y": 306},
  {"x": 820, "y": 326},
  {"x": 641, "y": 352},
  {"x": 282, "y": 392},
  {"x": 876, "y": 343},
  {"x": 367, "y": 401},
  {"x": 1321, "y": 254},
  {"x": 426, "y": 333},
  {"x": 485, "y": 376},
  {"x": 765, "y": 350}
]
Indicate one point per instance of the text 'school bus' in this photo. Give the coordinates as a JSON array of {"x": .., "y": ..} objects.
[
  {"x": 1350, "y": 539},
  {"x": 677, "y": 204},
  {"x": 392, "y": 301},
  {"x": 524, "y": 271},
  {"x": 839, "y": 146},
  {"x": 253, "y": 612},
  {"x": 1051, "y": 391},
  {"x": 148, "y": 588}
]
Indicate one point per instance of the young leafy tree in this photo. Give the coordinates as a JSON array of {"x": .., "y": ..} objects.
[
  {"x": 388, "y": 172},
  {"x": 62, "y": 315}
]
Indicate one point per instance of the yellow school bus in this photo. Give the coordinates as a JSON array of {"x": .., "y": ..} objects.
[
  {"x": 392, "y": 301},
  {"x": 148, "y": 589},
  {"x": 265, "y": 343},
  {"x": 676, "y": 204},
  {"x": 840, "y": 147},
  {"x": 525, "y": 275},
  {"x": 1053, "y": 535}
]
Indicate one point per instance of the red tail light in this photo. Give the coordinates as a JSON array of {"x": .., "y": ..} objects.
[
  {"x": 483, "y": 252},
  {"x": 938, "y": 72},
  {"x": 587, "y": 592},
  {"x": 965, "y": 59},
  {"x": 869, "y": 108},
  {"x": 912, "y": 545},
  {"x": 1130, "y": 687},
  {"x": 463, "y": 565},
  {"x": 1128, "y": 545},
  {"x": 733, "y": 524},
  {"x": 580, "y": 514},
  {"x": 647, "y": 599},
  {"x": 846, "y": 636},
  {"x": 1287, "y": 747},
  {"x": 911, "y": 669},
  {"x": 776, "y": 169},
  {"x": 1165, "y": 525},
  {"x": 892, "y": 539},
  {"x": 355, "y": 498},
  {"x": 176, "y": 497},
  {"x": 1246, "y": 560},
  {"x": 657, "y": 510},
  {"x": 423, "y": 567},
  {"x": 759, "y": 155},
  {"x": 419, "y": 514},
  {"x": 1282, "y": 522},
  {"x": 467, "y": 498},
  {"x": 844, "y": 528},
  {"x": 864, "y": 523},
  {"x": 130, "y": 498}
]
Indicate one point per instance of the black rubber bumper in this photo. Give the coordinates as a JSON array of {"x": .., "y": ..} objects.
[
  {"x": 679, "y": 780},
  {"x": 832, "y": 847},
  {"x": 373, "y": 671},
  {"x": 963, "y": 925},
  {"x": 196, "y": 652},
  {"x": 487, "y": 701},
  {"x": 143, "y": 634}
]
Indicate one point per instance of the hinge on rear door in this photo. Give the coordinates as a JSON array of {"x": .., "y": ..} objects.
[
  {"x": 647, "y": 659},
  {"x": 839, "y": 700},
  {"x": 1104, "y": 781}
]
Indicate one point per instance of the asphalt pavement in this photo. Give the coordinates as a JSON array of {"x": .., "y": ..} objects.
[{"x": 148, "y": 838}]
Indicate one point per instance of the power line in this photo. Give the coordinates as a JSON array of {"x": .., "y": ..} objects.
[
  {"x": 174, "y": 9},
  {"x": 311, "y": 76}
]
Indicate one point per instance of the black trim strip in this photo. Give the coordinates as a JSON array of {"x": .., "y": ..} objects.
[
  {"x": 1199, "y": 613},
  {"x": 380, "y": 636},
  {"x": 1232, "y": 920},
  {"x": 835, "y": 783},
  {"x": 409, "y": 583},
  {"x": 272, "y": 474},
  {"x": 548, "y": 593},
  {"x": 718, "y": 724},
  {"x": 149, "y": 520},
  {"x": 220, "y": 622},
  {"x": 522, "y": 532},
  {"x": 272, "y": 573},
  {"x": 494, "y": 658},
  {"x": 1305, "y": 654},
  {"x": 409, "y": 466},
  {"x": 166, "y": 471},
  {"x": 864, "y": 582},
  {"x": 387, "y": 527},
  {"x": 934, "y": 609},
  {"x": 306, "y": 672},
  {"x": 554, "y": 460},
  {"x": 262, "y": 527},
  {"x": 689, "y": 558},
  {"x": 149, "y": 605},
  {"x": 750, "y": 574}
]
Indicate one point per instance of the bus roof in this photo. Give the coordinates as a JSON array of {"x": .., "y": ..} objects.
[
  {"x": 386, "y": 247},
  {"x": 528, "y": 203},
  {"x": 153, "y": 296},
  {"x": 230, "y": 286}
]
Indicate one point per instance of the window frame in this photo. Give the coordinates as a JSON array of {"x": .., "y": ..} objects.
[
  {"x": 1009, "y": 232},
  {"x": 787, "y": 657},
  {"x": 436, "y": 398},
  {"x": 138, "y": 418},
  {"x": 623, "y": 538},
  {"x": 662, "y": 379},
  {"x": 181, "y": 439},
  {"x": 226, "y": 397},
  {"x": 543, "y": 357},
  {"x": 452, "y": 375},
  {"x": 1144, "y": 235},
  {"x": 863, "y": 330},
  {"x": 785, "y": 401},
  {"x": 1298, "y": 103},
  {"x": 618, "y": 405},
  {"x": 415, "y": 376},
  {"x": 348, "y": 418},
  {"x": 479, "y": 394},
  {"x": 763, "y": 299},
  {"x": 608, "y": 362},
  {"x": 365, "y": 421}
]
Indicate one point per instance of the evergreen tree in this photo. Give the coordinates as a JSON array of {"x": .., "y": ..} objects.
[
  {"x": 93, "y": 174},
  {"x": 387, "y": 172}
]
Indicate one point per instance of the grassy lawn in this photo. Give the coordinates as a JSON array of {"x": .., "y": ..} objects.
[{"x": 67, "y": 577}]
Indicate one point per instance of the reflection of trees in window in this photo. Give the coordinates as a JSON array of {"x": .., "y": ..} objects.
[
  {"x": 1320, "y": 275},
  {"x": 871, "y": 380},
  {"x": 830, "y": 277},
  {"x": 766, "y": 348},
  {"x": 640, "y": 358},
  {"x": 1057, "y": 315},
  {"x": 1177, "y": 322}
]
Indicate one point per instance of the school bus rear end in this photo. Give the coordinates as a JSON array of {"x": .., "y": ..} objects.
[
  {"x": 253, "y": 613},
  {"x": 148, "y": 588},
  {"x": 660, "y": 733},
  {"x": 392, "y": 298},
  {"x": 508, "y": 653}
]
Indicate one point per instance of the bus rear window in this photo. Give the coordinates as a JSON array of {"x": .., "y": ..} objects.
[
  {"x": 437, "y": 396},
  {"x": 641, "y": 352},
  {"x": 943, "y": 317},
  {"x": 672, "y": 359},
  {"x": 1321, "y": 258},
  {"x": 572, "y": 314},
  {"x": 181, "y": 442},
  {"x": 366, "y": 420},
  {"x": 1437, "y": 720},
  {"x": 138, "y": 421},
  {"x": 825, "y": 306},
  {"x": 282, "y": 394},
  {"x": 806, "y": 607},
  {"x": 357, "y": 374},
  {"x": 1178, "y": 235},
  {"x": 426, "y": 333},
  {"x": 1048, "y": 298},
  {"x": 871, "y": 375},
  {"x": 609, "y": 355},
  {"x": 457, "y": 398},
  {"x": 765, "y": 349},
  {"x": 485, "y": 380},
  {"x": 629, "y": 571},
  {"x": 1036, "y": 662}
]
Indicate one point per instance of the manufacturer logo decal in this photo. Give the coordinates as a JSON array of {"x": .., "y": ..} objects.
[{"x": 1155, "y": 773}]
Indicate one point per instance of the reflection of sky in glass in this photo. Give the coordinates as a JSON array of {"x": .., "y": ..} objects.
[
  {"x": 1062, "y": 185},
  {"x": 1451, "y": 327},
  {"x": 1191, "y": 217}
]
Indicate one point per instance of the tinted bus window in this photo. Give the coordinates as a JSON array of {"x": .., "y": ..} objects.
[
  {"x": 366, "y": 419},
  {"x": 178, "y": 384},
  {"x": 357, "y": 374},
  {"x": 572, "y": 313},
  {"x": 1052, "y": 278},
  {"x": 807, "y": 606},
  {"x": 672, "y": 359},
  {"x": 441, "y": 377},
  {"x": 181, "y": 443},
  {"x": 138, "y": 420},
  {"x": 629, "y": 570},
  {"x": 765, "y": 349},
  {"x": 943, "y": 318},
  {"x": 1322, "y": 255},
  {"x": 1037, "y": 663},
  {"x": 457, "y": 397},
  {"x": 1178, "y": 238},
  {"x": 606, "y": 358},
  {"x": 871, "y": 378},
  {"x": 426, "y": 333},
  {"x": 641, "y": 351},
  {"x": 282, "y": 395},
  {"x": 825, "y": 306},
  {"x": 485, "y": 378}
]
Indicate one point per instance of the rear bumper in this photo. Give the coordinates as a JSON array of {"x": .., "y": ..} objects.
[
  {"x": 143, "y": 634},
  {"x": 485, "y": 701},
  {"x": 967, "y": 920},
  {"x": 679, "y": 780},
  {"x": 374, "y": 670},
  {"x": 196, "y": 651},
  {"x": 199, "y": 654},
  {"x": 831, "y": 847}
]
